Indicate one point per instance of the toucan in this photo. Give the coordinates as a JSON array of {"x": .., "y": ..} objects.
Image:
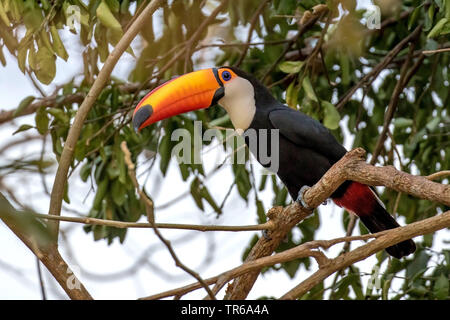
[{"x": 306, "y": 148}]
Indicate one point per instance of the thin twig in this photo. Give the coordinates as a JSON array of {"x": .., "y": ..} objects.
[
  {"x": 373, "y": 74},
  {"x": 123, "y": 224},
  {"x": 436, "y": 51},
  {"x": 149, "y": 209},
  {"x": 253, "y": 22},
  {"x": 41, "y": 280},
  {"x": 190, "y": 44},
  {"x": 438, "y": 175},
  {"x": 389, "y": 238},
  {"x": 389, "y": 115},
  {"x": 303, "y": 28}
]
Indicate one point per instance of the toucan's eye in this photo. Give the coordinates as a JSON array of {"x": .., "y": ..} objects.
[{"x": 226, "y": 75}]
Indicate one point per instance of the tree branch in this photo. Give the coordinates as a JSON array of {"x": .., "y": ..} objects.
[
  {"x": 121, "y": 224},
  {"x": 372, "y": 75},
  {"x": 37, "y": 238},
  {"x": 253, "y": 22},
  {"x": 389, "y": 115},
  {"x": 149, "y": 209},
  {"x": 387, "y": 239},
  {"x": 382, "y": 240},
  {"x": 75, "y": 130},
  {"x": 350, "y": 167}
]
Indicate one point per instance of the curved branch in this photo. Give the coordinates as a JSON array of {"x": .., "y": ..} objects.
[
  {"x": 149, "y": 209},
  {"x": 327, "y": 266},
  {"x": 387, "y": 239},
  {"x": 349, "y": 167},
  {"x": 36, "y": 237}
]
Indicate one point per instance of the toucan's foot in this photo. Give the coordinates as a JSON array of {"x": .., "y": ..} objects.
[
  {"x": 300, "y": 197},
  {"x": 265, "y": 234}
]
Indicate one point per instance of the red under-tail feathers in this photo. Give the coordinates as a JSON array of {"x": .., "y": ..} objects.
[{"x": 362, "y": 201}]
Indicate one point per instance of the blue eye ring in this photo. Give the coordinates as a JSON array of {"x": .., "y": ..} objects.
[{"x": 226, "y": 75}]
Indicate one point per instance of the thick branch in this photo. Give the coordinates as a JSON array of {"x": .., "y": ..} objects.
[
  {"x": 36, "y": 238},
  {"x": 284, "y": 219},
  {"x": 6, "y": 116},
  {"x": 350, "y": 167},
  {"x": 420, "y": 187},
  {"x": 383, "y": 240},
  {"x": 388, "y": 239}
]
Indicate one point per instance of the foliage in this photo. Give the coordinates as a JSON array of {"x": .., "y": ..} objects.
[{"x": 306, "y": 79}]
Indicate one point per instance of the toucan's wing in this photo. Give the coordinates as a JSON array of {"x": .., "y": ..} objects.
[{"x": 306, "y": 132}]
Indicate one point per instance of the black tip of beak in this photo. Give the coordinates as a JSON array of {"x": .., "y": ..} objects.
[{"x": 141, "y": 116}]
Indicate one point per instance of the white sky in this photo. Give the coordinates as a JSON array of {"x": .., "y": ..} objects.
[{"x": 223, "y": 250}]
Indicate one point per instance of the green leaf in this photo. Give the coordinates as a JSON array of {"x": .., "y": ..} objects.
[
  {"x": 102, "y": 44},
  {"x": 207, "y": 196},
  {"x": 23, "y": 105},
  {"x": 100, "y": 194},
  {"x": 260, "y": 211},
  {"x": 124, "y": 6},
  {"x": 22, "y": 57},
  {"x": 118, "y": 192},
  {"x": 106, "y": 17},
  {"x": 291, "y": 66},
  {"x": 2, "y": 57},
  {"x": 291, "y": 267},
  {"x": 400, "y": 122},
  {"x": 331, "y": 116},
  {"x": 41, "y": 119},
  {"x": 441, "y": 287},
  {"x": 447, "y": 9},
  {"x": 33, "y": 19},
  {"x": 44, "y": 39},
  {"x": 58, "y": 45},
  {"x": 45, "y": 66},
  {"x": 437, "y": 28},
  {"x": 23, "y": 127},
  {"x": 195, "y": 192},
  {"x": 413, "y": 17},
  {"x": 307, "y": 86},
  {"x": 292, "y": 95},
  {"x": 59, "y": 114},
  {"x": 418, "y": 265},
  {"x": 345, "y": 69},
  {"x": 433, "y": 124},
  {"x": 32, "y": 58},
  {"x": 3, "y": 15},
  {"x": 165, "y": 149},
  {"x": 85, "y": 171}
]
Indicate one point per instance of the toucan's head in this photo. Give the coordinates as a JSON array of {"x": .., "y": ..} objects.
[{"x": 198, "y": 90}]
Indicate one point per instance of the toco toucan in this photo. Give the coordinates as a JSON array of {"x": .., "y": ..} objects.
[{"x": 306, "y": 148}]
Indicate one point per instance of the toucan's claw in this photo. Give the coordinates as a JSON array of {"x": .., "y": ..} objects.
[
  {"x": 300, "y": 198},
  {"x": 265, "y": 234}
]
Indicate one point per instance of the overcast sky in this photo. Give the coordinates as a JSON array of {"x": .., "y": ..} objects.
[{"x": 102, "y": 266}]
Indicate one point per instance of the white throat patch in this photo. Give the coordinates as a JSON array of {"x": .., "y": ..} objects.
[{"x": 239, "y": 102}]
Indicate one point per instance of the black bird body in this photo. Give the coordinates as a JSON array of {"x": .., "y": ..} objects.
[
  {"x": 306, "y": 151},
  {"x": 306, "y": 148}
]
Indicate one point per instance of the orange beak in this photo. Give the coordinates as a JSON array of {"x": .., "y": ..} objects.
[{"x": 192, "y": 91}]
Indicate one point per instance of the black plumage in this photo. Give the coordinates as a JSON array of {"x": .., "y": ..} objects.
[{"x": 306, "y": 151}]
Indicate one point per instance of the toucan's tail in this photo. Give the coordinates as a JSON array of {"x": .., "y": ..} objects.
[{"x": 361, "y": 200}]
